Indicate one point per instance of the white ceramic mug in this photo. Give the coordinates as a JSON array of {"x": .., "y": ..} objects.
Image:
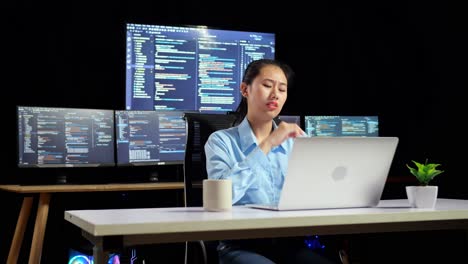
[{"x": 217, "y": 194}]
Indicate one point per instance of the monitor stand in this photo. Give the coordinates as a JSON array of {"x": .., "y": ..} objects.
[
  {"x": 61, "y": 176},
  {"x": 153, "y": 177},
  {"x": 61, "y": 179}
]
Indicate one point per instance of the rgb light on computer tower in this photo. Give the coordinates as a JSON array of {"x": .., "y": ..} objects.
[{"x": 77, "y": 257}]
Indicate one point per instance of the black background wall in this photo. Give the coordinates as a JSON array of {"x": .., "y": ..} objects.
[{"x": 405, "y": 62}]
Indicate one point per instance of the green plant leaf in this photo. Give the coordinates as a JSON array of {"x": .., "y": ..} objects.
[{"x": 424, "y": 172}]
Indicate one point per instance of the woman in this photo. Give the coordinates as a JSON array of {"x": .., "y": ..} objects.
[{"x": 254, "y": 155}]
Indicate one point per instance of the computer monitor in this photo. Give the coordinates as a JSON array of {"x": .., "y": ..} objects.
[
  {"x": 291, "y": 119},
  {"x": 340, "y": 126},
  {"x": 192, "y": 68},
  {"x": 50, "y": 137},
  {"x": 150, "y": 137}
]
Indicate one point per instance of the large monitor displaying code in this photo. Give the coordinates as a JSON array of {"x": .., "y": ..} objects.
[
  {"x": 189, "y": 68},
  {"x": 65, "y": 137},
  {"x": 340, "y": 126},
  {"x": 150, "y": 137}
]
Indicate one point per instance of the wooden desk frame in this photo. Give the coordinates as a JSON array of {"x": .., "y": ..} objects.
[{"x": 45, "y": 192}]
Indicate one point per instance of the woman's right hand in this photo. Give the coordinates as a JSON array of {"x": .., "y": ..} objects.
[{"x": 284, "y": 131}]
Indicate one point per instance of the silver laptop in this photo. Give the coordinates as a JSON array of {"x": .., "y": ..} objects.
[{"x": 335, "y": 172}]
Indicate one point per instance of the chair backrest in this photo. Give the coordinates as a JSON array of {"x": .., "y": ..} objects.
[{"x": 199, "y": 127}]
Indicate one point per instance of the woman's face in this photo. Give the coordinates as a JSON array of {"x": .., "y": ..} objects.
[{"x": 267, "y": 93}]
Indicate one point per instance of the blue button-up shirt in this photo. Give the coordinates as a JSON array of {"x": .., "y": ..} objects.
[{"x": 256, "y": 178}]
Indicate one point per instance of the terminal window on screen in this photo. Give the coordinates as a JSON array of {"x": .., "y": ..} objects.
[
  {"x": 151, "y": 137},
  {"x": 189, "y": 68},
  {"x": 65, "y": 137},
  {"x": 339, "y": 126}
]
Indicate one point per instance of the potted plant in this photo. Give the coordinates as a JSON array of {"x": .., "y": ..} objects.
[{"x": 424, "y": 195}]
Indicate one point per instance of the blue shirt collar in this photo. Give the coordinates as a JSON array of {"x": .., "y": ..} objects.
[{"x": 247, "y": 137}]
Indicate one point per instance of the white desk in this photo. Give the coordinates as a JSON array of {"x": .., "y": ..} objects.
[{"x": 128, "y": 227}]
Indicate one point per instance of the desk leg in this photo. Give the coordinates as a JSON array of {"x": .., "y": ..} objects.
[
  {"x": 39, "y": 228},
  {"x": 98, "y": 247},
  {"x": 466, "y": 240},
  {"x": 98, "y": 252},
  {"x": 19, "y": 230}
]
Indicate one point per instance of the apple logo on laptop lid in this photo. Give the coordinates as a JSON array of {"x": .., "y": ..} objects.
[{"x": 339, "y": 173}]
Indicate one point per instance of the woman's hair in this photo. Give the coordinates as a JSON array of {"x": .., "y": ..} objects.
[{"x": 251, "y": 72}]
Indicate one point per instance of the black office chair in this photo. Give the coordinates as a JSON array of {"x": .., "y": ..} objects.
[{"x": 199, "y": 127}]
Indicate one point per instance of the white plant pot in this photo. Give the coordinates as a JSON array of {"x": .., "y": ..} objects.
[{"x": 422, "y": 196}]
